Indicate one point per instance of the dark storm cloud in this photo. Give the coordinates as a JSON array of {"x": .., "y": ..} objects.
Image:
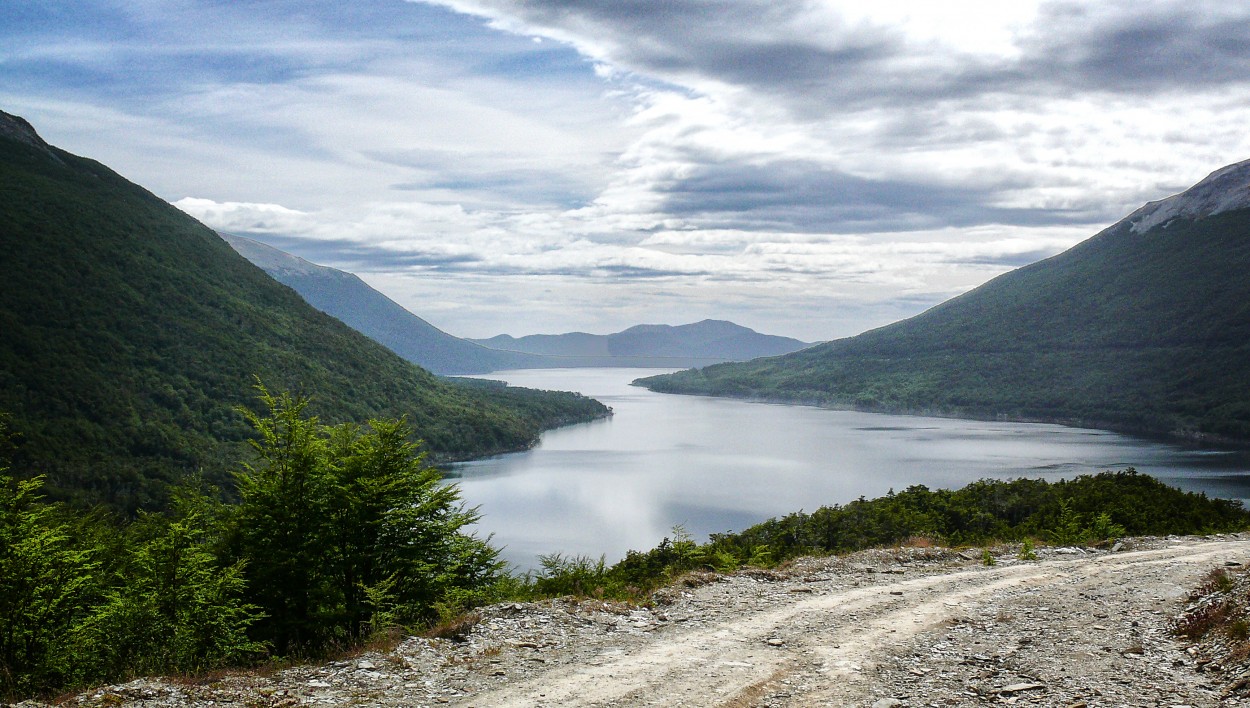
[
  {"x": 797, "y": 196},
  {"x": 1134, "y": 51},
  {"x": 1118, "y": 47}
]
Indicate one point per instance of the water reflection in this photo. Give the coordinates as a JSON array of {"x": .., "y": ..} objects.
[{"x": 713, "y": 465}]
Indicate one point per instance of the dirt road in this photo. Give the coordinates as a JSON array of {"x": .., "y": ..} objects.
[
  {"x": 1068, "y": 629},
  {"x": 881, "y": 628}
]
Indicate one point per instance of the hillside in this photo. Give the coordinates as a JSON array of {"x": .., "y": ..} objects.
[
  {"x": 348, "y": 298},
  {"x": 1144, "y": 328},
  {"x": 132, "y": 333},
  {"x": 705, "y": 342}
]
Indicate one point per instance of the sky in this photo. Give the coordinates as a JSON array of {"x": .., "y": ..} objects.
[{"x": 805, "y": 168}]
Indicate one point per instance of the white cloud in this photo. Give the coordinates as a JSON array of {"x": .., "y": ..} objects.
[{"x": 613, "y": 161}]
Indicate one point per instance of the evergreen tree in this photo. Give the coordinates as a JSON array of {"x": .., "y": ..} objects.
[
  {"x": 282, "y": 523},
  {"x": 47, "y": 586},
  {"x": 172, "y": 606},
  {"x": 347, "y": 529}
]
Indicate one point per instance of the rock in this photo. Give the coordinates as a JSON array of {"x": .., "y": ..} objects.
[
  {"x": 1019, "y": 687},
  {"x": 1119, "y": 546},
  {"x": 887, "y": 703}
]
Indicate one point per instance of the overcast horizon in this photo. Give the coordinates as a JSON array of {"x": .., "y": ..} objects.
[{"x": 808, "y": 169}]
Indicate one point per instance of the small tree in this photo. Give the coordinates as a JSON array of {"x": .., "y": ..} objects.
[
  {"x": 282, "y": 523},
  {"x": 173, "y": 606},
  {"x": 346, "y": 529},
  {"x": 47, "y": 585}
]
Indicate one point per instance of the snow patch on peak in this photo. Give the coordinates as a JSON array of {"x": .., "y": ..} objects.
[{"x": 1224, "y": 190}]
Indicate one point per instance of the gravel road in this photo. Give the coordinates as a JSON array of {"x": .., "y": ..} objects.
[{"x": 881, "y": 628}]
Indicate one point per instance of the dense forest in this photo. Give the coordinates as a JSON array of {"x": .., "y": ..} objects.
[
  {"x": 1142, "y": 331},
  {"x": 131, "y": 332}
]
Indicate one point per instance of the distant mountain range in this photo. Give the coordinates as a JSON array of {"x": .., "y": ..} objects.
[
  {"x": 348, "y": 298},
  {"x": 1144, "y": 328},
  {"x": 130, "y": 334},
  {"x": 709, "y": 341}
]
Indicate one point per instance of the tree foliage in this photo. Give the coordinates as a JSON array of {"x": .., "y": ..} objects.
[
  {"x": 340, "y": 531},
  {"x": 342, "y": 524},
  {"x": 1087, "y": 509}
]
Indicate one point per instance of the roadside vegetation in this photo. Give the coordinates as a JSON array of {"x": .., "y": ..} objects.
[
  {"x": 343, "y": 535},
  {"x": 1088, "y": 510}
]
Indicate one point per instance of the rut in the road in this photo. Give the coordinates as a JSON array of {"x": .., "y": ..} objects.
[{"x": 818, "y": 645}]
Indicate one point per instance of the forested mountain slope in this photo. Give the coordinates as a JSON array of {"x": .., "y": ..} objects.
[
  {"x": 1144, "y": 327},
  {"x": 131, "y": 332}
]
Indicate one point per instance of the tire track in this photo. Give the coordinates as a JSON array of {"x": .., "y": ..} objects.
[{"x": 820, "y": 648}]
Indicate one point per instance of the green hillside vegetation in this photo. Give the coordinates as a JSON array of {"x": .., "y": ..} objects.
[
  {"x": 1140, "y": 332},
  {"x": 1090, "y": 509},
  {"x": 341, "y": 533},
  {"x": 131, "y": 333}
]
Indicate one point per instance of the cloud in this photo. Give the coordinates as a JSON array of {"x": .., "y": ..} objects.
[{"x": 606, "y": 160}]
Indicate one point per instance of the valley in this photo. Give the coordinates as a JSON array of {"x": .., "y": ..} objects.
[
  {"x": 253, "y": 427},
  {"x": 722, "y": 353},
  {"x": 712, "y": 465}
]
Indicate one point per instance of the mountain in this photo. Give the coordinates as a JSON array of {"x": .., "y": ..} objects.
[
  {"x": 348, "y": 298},
  {"x": 1143, "y": 328},
  {"x": 705, "y": 342},
  {"x": 132, "y": 333}
]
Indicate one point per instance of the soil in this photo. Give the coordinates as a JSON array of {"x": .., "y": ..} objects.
[{"x": 882, "y": 628}]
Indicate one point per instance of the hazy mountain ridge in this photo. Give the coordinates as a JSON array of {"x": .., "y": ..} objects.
[
  {"x": 349, "y": 299},
  {"x": 1144, "y": 327},
  {"x": 713, "y": 340},
  {"x": 346, "y": 297},
  {"x": 131, "y": 332}
]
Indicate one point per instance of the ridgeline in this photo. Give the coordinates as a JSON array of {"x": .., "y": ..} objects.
[
  {"x": 132, "y": 333},
  {"x": 1144, "y": 328}
]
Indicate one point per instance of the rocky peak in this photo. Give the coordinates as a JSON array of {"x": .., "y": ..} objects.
[
  {"x": 1224, "y": 190},
  {"x": 272, "y": 260},
  {"x": 17, "y": 128}
]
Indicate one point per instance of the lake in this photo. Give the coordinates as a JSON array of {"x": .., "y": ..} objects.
[{"x": 714, "y": 465}]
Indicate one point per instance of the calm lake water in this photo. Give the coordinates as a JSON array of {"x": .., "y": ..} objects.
[{"x": 714, "y": 465}]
